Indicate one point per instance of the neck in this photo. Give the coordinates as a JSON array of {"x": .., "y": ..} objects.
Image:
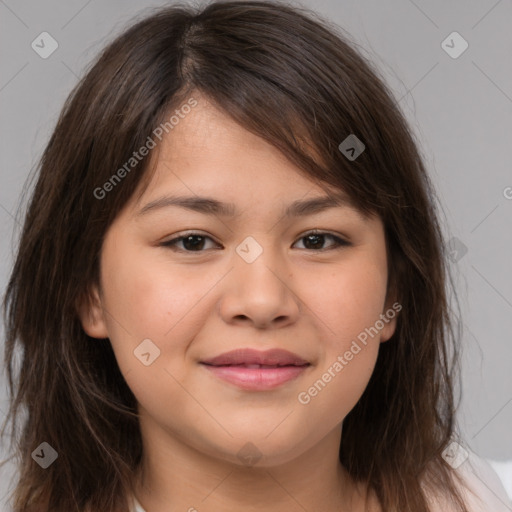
[{"x": 175, "y": 476}]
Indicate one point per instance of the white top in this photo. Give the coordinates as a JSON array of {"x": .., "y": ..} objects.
[
  {"x": 504, "y": 471},
  {"x": 482, "y": 479},
  {"x": 486, "y": 484},
  {"x": 137, "y": 507}
]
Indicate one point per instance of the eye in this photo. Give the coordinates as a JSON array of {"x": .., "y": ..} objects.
[
  {"x": 195, "y": 242},
  {"x": 315, "y": 238}
]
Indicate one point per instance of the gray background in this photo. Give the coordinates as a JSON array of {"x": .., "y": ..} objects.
[{"x": 459, "y": 108}]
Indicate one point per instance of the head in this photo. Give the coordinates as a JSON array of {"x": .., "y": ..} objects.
[{"x": 225, "y": 109}]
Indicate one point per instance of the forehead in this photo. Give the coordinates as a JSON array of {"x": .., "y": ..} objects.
[
  {"x": 210, "y": 164},
  {"x": 207, "y": 151}
]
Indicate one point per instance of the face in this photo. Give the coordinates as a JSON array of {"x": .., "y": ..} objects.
[{"x": 252, "y": 278}]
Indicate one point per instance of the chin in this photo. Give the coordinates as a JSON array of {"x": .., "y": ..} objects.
[{"x": 257, "y": 451}]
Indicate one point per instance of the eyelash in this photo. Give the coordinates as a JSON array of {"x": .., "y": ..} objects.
[{"x": 339, "y": 242}]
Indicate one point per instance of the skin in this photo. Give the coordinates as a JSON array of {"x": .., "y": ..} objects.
[{"x": 196, "y": 305}]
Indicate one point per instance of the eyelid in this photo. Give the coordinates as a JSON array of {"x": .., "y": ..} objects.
[
  {"x": 184, "y": 234},
  {"x": 341, "y": 240}
]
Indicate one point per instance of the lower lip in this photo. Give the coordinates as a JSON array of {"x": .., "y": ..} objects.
[{"x": 256, "y": 379}]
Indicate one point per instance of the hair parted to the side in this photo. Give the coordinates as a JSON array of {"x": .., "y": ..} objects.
[{"x": 293, "y": 79}]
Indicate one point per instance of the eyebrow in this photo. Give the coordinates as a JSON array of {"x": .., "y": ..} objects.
[{"x": 210, "y": 206}]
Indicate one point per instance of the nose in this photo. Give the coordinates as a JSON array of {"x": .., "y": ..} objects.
[{"x": 260, "y": 293}]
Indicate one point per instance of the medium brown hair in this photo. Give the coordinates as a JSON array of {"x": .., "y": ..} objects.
[{"x": 298, "y": 82}]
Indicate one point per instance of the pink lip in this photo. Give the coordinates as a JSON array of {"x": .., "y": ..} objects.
[
  {"x": 245, "y": 356},
  {"x": 249, "y": 369},
  {"x": 256, "y": 379}
]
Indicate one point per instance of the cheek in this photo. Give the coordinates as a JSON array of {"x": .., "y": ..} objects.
[
  {"x": 352, "y": 301},
  {"x": 157, "y": 303},
  {"x": 348, "y": 310},
  {"x": 154, "y": 301}
]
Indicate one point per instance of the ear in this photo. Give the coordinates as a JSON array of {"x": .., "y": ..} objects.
[
  {"x": 91, "y": 313},
  {"x": 390, "y": 315},
  {"x": 389, "y": 318},
  {"x": 392, "y": 305}
]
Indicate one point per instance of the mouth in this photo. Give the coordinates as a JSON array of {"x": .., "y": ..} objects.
[
  {"x": 246, "y": 356},
  {"x": 254, "y": 366},
  {"x": 255, "y": 370}
]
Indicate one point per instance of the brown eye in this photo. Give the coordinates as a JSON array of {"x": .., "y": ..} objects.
[
  {"x": 315, "y": 241},
  {"x": 195, "y": 242},
  {"x": 191, "y": 242}
]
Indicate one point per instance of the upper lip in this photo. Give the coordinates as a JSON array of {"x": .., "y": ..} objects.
[{"x": 247, "y": 356}]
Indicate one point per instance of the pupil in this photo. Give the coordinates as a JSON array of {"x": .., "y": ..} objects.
[
  {"x": 193, "y": 245},
  {"x": 311, "y": 241},
  {"x": 309, "y": 237}
]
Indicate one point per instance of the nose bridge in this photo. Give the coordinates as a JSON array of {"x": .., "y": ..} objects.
[
  {"x": 259, "y": 290},
  {"x": 258, "y": 262}
]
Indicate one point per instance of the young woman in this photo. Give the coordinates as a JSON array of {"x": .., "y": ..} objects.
[{"x": 230, "y": 288}]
